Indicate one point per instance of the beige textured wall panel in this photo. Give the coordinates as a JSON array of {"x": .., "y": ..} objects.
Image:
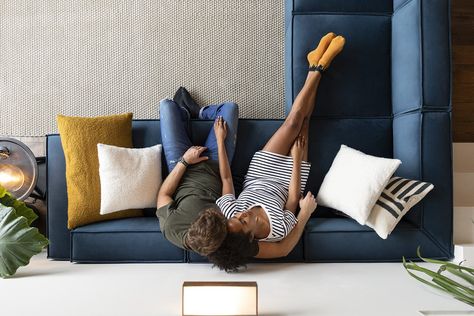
[{"x": 100, "y": 57}]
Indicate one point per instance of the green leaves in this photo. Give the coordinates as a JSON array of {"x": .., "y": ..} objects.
[
  {"x": 21, "y": 209},
  {"x": 18, "y": 241},
  {"x": 461, "y": 288}
]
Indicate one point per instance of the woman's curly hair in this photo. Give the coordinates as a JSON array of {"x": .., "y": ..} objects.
[{"x": 234, "y": 252}]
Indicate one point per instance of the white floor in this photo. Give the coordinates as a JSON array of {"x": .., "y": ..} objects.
[{"x": 53, "y": 288}]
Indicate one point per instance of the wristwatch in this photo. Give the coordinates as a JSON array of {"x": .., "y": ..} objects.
[{"x": 181, "y": 160}]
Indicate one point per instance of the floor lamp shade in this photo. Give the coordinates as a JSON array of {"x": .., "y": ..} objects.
[
  {"x": 18, "y": 168},
  {"x": 220, "y": 298}
]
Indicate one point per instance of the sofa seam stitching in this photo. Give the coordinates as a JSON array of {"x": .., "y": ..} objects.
[
  {"x": 291, "y": 56},
  {"x": 118, "y": 231},
  {"x": 402, "y": 6},
  {"x": 422, "y": 57},
  {"x": 434, "y": 241},
  {"x": 386, "y": 14},
  {"x": 47, "y": 197}
]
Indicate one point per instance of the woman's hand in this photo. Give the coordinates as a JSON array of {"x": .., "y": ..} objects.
[
  {"x": 297, "y": 149},
  {"x": 193, "y": 155},
  {"x": 220, "y": 128},
  {"x": 308, "y": 203}
]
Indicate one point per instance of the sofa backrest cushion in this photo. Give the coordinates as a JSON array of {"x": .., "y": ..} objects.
[{"x": 358, "y": 82}]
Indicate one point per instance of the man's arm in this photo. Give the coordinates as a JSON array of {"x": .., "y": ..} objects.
[
  {"x": 169, "y": 186},
  {"x": 220, "y": 128},
  {"x": 268, "y": 250}
]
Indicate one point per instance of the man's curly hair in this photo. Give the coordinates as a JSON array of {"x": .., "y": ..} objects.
[
  {"x": 207, "y": 232},
  {"x": 234, "y": 253}
]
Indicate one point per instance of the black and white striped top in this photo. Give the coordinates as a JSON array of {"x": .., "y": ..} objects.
[{"x": 267, "y": 184}]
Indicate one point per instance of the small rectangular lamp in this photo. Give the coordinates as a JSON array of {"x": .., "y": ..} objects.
[{"x": 220, "y": 298}]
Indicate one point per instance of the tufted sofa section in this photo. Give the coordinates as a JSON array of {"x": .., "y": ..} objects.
[{"x": 388, "y": 94}]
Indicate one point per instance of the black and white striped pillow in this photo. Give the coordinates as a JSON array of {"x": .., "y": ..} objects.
[{"x": 398, "y": 197}]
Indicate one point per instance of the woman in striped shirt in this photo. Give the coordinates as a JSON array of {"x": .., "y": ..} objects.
[{"x": 261, "y": 221}]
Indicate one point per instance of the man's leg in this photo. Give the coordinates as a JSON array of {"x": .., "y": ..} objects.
[
  {"x": 230, "y": 113},
  {"x": 174, "y": 132}
]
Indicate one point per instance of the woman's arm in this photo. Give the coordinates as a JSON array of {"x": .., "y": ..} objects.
[
  {"x": 294, "y": 192},
  {"x": 268, "y": 250},
  {"x": 169, "y": 186},
  {"x": 220, "y": 129}
]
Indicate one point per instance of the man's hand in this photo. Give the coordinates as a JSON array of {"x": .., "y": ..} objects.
[
  {"x": 192, "y": 155},
  {"x": 308, "y": 203},
  {"x": 298, "y": 148},
  {"x": 220, "y": 128}
]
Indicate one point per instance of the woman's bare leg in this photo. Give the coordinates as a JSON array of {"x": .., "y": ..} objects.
[
  {"x": 282, "y": 140},
  {"x": 303, "y": 105},
  {"x": 305, "y": 133}
]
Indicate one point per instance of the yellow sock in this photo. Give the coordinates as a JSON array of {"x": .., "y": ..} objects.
[
  {"x": 315, "y": 55},
  {"x": 334, "y": 48}
]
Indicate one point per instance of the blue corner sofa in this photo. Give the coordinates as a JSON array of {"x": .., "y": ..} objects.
[{"x": 388, "y": 94}]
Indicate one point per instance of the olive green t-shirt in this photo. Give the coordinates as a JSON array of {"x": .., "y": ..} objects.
[{"x": 198, "y": 190}]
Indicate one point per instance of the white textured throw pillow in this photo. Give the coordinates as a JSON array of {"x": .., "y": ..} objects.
[
  {"x": 354, "y": 182},
  {"x": 129, "y": 177},
  {"x": 398, "y": 197}
]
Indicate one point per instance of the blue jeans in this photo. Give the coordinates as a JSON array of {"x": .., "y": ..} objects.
[{"x": 174, "y": 122}]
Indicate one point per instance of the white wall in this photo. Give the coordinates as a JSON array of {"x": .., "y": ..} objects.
[{"x": 463, "y": 167}]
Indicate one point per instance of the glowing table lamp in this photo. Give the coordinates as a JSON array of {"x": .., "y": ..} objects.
[
  {"x": 220, "y": 298},
  {"x": 18, "y": 168}
]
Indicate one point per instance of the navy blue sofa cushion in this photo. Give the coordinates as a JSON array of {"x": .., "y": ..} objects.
[
  {"x": 124, "y": 240},
  {"x": 358, "y": 81},
  {"x": 344, "y": 240}
]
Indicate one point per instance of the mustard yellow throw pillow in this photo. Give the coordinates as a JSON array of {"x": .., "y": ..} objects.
[{"x": 79, "y": 138}]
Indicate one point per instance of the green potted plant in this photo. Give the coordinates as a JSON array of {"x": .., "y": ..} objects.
[
  {"x": 453, "y": 279},
  {"x": 18, "y": 241}
]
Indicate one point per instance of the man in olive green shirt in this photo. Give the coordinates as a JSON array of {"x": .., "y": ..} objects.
[
  {"x": 186, "y": 206},
  {"x": 198, "y": 190}
]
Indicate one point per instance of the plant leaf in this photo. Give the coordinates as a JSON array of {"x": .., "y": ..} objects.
[
  {"x": 409, "y": 266},
  {"x": 443, "y": 283},
  {"x": 18, "y": 241},
  {"x": 3, "y": 191},
  {"x": 463, "y": 275},
  {"x": 442, "y": 278},
  {"x": 447, "y": 264},
  {"x": 20, "y": 207},
  {"x": 466, "y": 298}
]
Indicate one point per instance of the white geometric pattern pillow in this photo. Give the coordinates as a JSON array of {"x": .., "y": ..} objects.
[{"x": 398, "y": 197}]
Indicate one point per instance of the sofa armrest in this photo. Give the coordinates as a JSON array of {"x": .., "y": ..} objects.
[
  {"x": 421, "y": 61},
  {"x": 422, "y": 141}
]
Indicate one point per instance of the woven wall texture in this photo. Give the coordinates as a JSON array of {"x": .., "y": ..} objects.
[{"x": 99, "y": 57}]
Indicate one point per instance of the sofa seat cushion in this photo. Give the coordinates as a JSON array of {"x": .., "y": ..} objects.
[
  {"x": 344, "y": 240},
  {"x": 123, "y": 240}
]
